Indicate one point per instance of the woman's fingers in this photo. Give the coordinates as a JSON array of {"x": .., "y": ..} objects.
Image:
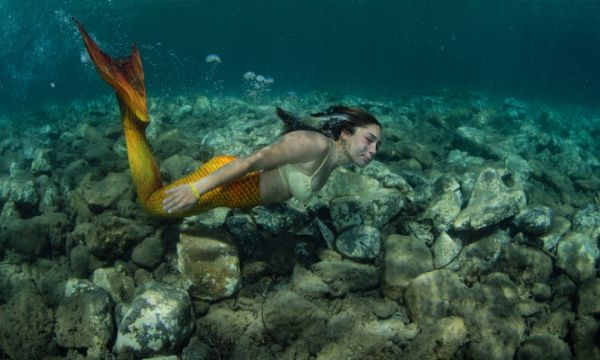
[{"x": 177, "y": 199}]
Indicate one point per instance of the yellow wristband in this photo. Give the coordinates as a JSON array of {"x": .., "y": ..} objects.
[{"x": 195, "y": 191}]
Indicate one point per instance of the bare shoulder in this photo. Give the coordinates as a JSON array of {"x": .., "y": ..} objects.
[
  {"x": 291, "y": 148},
  {"x": 306, "y": 141}
]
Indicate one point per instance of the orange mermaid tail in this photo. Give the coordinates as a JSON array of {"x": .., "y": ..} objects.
[{"x": 126, "y": 76}]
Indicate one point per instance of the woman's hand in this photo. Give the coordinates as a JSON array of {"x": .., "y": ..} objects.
[{"x": 181, "y": 198}]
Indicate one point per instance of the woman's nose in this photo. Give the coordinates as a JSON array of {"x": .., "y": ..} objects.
[{"x": 373, "y": 149}]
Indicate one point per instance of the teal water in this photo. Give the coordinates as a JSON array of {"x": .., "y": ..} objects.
[{"x": 547, "y": 50}]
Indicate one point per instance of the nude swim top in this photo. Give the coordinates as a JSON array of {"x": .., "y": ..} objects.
[{"x": 299, "y": 184}]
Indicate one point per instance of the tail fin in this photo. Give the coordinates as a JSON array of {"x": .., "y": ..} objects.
[{"x": 125, "y": 75}]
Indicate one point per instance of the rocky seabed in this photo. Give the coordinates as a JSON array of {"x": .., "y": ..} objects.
[{"x": 473, "y": 236}]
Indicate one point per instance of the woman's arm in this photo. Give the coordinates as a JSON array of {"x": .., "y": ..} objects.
[{"x": 294, "y": 147}]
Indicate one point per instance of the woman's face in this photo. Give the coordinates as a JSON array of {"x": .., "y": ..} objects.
[{"x": 362, "y": 146}]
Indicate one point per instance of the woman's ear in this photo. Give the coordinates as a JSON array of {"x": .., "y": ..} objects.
[{"x": 345, "y": 134}]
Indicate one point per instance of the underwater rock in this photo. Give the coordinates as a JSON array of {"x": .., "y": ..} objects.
[
  {"x": 177, "y": 166},
  {"x": 244, "y": 230},
  {"x": 159, "y": 321},
  {"x": 307, "y": 283},
  {"x": 79, "y": 259},
  {"x": 23, "y": 193},
  {"x": 557, "y": 323},
  {"x": 115, "y": 282},
  {"x": 559, "y": 227},
  {"x": 571, "y": 163},
  {"x": 211, "y": 219},
  {"x": 459, "y": 161},
  {"x": 501, "y": 281},
  {"x": 109, "y": 237},
  {"x": 445, "y": 204},
  {"x": 537, "y": 219},
  {"x": 389, "y": 179},
  {"x": 556, "y": 179},
  {"x": 26, "y": 327},
  {"x": 584, "y": 338},
  {"x": 209, "y": 264},
  {"x": 27, "y": 237},
  {"x": 57, "y": 226},
  {"x": 275, "y": 219},
  {"x": 577, "y": 255},
  {"x": 359, "y": 242},
  {"x": 439, "y": 340},
  {"x": 477, "y": 142},
  {"x": 418, "y": 230},
  {"x": 149, "y": 252},
  {"x": 288, "y": 316},
  {"x": 405, "y": 258},
  {"x": 544, "y": 347},
  {"x": 490, "y": 203},
  {"x": 589, "y": 298},
  {"x": 481, "y": 256},
  {"x": 106, "y": 193},
  {"x": 518, "y": 166},
  {"x": 414, "y": 150},
  {"x": 492, "y": 320},
  {"x": 195, "y": 350},
  {"x": 41, "y": 164},
  {"x": 184, "y": 110},
  {"x": 96, "y": 152},
  {"x": 525, "y": 264},
  {"x": 374, "y": 208},
  {"x": 445, "y": 250},
  {"x": 432, "y": 295},
  {"x": 352, "y": 333},
  {"x": 84, "y": 318},
  {"x": 50, "y": 197},
  {"x": 227, "y": 332},
  {"x": 587, "y": 221},
  {"x": 541, "y": 292},
  {"x": 343, "y": 276},
  {"x": 325, "y": 232}
]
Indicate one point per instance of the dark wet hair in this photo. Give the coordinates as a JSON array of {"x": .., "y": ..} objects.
[{"x": 339, "y": 118}]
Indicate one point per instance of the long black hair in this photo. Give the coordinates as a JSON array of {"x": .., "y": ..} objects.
[{"x": 337, "y": 119}]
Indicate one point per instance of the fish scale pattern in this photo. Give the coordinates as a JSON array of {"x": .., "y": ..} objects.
[{"x": 126, "y": 77}]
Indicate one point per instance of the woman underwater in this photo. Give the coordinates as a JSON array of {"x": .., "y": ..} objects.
[{"x": 296, "y": 165}]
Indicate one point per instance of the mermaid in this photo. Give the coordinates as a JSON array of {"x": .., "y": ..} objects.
[{"x": 296, "y": 165}]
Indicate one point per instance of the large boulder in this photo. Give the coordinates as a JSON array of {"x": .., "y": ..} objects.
[
  {"x": 405, "y": 258},
  {"x": 439, "y": 340},
  {"x": 536, "y": 219},
  {"x": 287, "y": 316},
  {"x": 544, "y": 347},
  {"x": 26, "y": 327},
  {"x": 433, "y": 295},
  {"x": 159, "y": 321},
  {"x": 496, "y": 327},
  {"x": 587, "y": 221},
  {"x": 589, "y": 298},
  {"x": 343, "y": 276},
  {"x": 577, "y": 255},
  {"x": 374, "y": 208},
  {"x": 445, "y": 203},
  {"x": 115, "y": 282},
  {"x": 106, "y": 193},
  {"x": 109, "y": 237},
  {"x": 209, "y": 263},
  {"x": 490, "y": 203},
  {"x": 84, "y": 318},
  {"x": 359, "y": 242}
]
